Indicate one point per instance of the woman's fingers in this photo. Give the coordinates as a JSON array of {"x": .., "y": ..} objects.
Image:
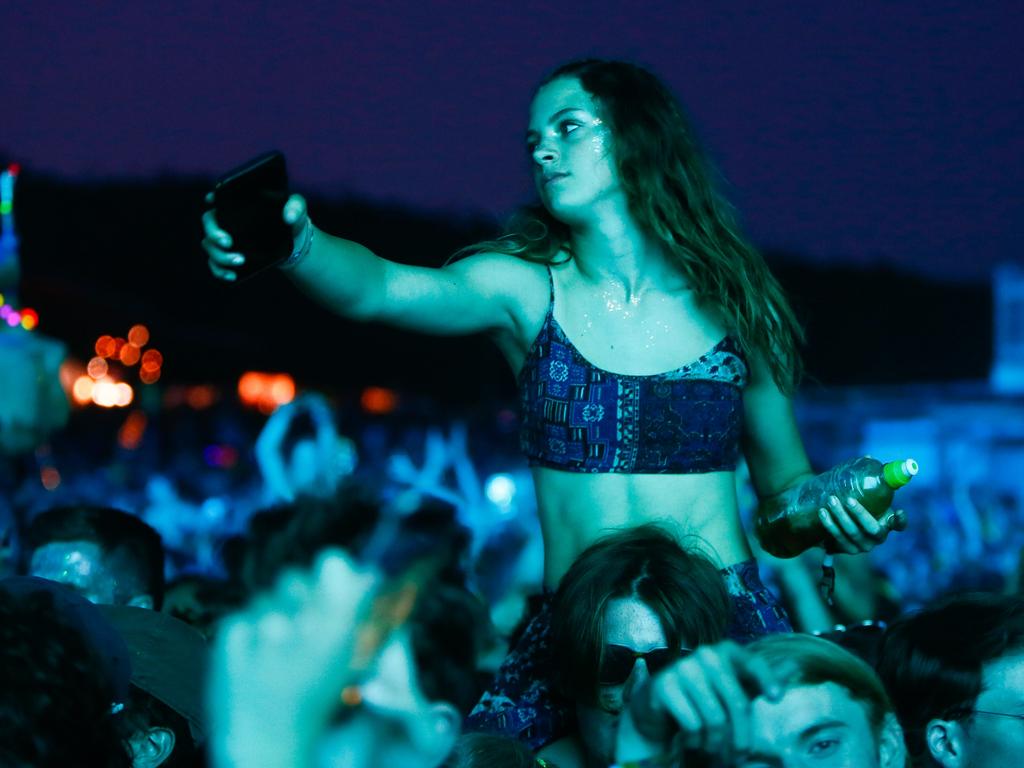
[
  {"x": 295, "y": 211},
  {"x": 840, "y": 542},
  {"x": 213, "y": 232},
  {"x": 859, "y": 530}
]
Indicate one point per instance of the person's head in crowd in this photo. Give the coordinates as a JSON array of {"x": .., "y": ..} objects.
[
  {"x": 631, "y": 604},
  {"x": 488, "y": 750},
  {"x": 65, "y": 674},
  {"x": 163, "y": 713},
  {"x": 292, "y": 534},
  {"x": 287, "y": 679},
  {"x": 423, "y": 687},
  {"x": 955, "y": 671},
  {"x": 107, "y": 555},
  {"x": 833, "y": 712},
  {"x": 201, "y": 601}
]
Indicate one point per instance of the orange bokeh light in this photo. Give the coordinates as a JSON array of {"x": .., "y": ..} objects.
[
  {"x": 152, "y": 360},
  {"x": 148, "y": 376},
  {"x": 105, "y": 346},
  {"x": 266, "y": 391},
  {"x": 97, "y": 368},
  {"x": 129, "y": 354},
  {"x": 282, "y": 389},
  {"x": 200, "y": 396},
  {"x": 131, "y": 432},
  {"x": 378, "y": 400},
  {"x": 50, "y": 478},
  {"x": 138, "y": 336}
]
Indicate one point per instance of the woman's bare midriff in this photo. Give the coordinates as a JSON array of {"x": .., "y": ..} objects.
[{"x": 577, "y": 508}]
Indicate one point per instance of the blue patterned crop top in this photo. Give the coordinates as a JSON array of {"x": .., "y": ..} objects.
[{"x": 580, "y": 418}]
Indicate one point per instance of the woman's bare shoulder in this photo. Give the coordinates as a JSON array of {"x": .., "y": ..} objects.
[{"x": 525, "y": 284}]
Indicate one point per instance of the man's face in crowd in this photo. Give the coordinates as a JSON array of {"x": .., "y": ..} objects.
[
  {"x": 79, "y": 564},
  {"x": 84, "y": 567},
  {"x": 991, "y": 736},
  {"x": 821, "y": 726}
]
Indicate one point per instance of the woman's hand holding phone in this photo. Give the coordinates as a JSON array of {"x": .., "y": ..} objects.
[{"x": 251, "y": 222}]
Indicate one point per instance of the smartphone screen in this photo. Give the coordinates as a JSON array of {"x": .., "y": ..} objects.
[{"x": 248, "y": 203}]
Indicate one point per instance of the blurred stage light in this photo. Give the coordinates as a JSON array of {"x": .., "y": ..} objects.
[
  {"x": 81, "y": 390},
  {"x": 379, "y": 400},
  {"x": 500, "y": 490},
  {"x": 265, "y": 391}
]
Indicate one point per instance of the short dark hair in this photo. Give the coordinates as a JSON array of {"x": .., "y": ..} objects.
[
  {"x": 931, "y": 661},
  {"x": 683, "y": 588},
  {"x": 55, "y": 707},
  {"x": 446, "y": 629},
  {"x": 798, "y": 660},
  {"x": 133, "y": 546}
]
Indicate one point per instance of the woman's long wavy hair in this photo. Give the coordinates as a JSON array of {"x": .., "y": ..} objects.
[{"x": 671, "y": 192}]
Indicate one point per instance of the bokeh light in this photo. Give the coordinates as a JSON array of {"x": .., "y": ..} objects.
[
  {"x": 105, "y": 346},
  {"x": 97, "y": 368},
  {"x": 149, "y": 376},
  {"x": 29, "y": 319},
  {"x": 130, "y": 435},
  {"x": 152, "y": 360},
  {"x": 201, "y": 396},
  {"x": 265, "y": 391},
  {"x": 500, "y": 490},
  {"x": 50, "y": 478},
  {"x": 124, "y": 394},
  {"x": 138, "y": 336},
  {"x": 379, "y": 400},
  {"x": 129, "y": 354},
  {"x": 81, "y": 390}
]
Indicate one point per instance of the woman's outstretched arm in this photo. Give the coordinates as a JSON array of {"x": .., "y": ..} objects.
[{"x": 478, "y": 294}]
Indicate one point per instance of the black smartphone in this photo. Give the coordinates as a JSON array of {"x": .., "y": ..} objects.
[{"x": 248, "y": 203}]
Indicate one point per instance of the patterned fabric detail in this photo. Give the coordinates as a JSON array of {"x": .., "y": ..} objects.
[
  {"x": 581, "y": 418},
  {"x": 756, "y": 611},
  {"x": 520, "y": 702}
]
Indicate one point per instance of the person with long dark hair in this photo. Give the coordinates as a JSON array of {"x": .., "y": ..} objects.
[{"x": 650, "y": 342}]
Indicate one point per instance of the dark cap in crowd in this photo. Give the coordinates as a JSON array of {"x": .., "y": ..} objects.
[
  {"x": 79, "y": 614},
  {"x": 168, "y": 659}
]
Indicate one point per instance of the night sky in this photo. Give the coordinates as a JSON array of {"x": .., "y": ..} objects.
[{"x": 855, "y": 132}]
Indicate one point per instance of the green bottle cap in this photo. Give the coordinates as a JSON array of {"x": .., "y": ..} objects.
[{"x": 899, "y": 473}]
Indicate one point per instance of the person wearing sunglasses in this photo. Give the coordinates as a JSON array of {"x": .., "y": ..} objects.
[
  {"x": 631, "y": 605},
  {"x": 955, "y": 672}
]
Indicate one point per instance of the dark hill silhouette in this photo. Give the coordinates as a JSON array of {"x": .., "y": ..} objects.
[{"x": 99, "y": 257}]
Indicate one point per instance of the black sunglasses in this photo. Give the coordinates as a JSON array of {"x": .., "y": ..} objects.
[{"x": 617, "y": 662}]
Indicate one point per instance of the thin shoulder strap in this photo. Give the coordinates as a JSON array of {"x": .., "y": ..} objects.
[{"x": 551, "y": 285}]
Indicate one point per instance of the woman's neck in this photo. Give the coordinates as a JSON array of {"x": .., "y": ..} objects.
[{"x": 615, "y": 250}]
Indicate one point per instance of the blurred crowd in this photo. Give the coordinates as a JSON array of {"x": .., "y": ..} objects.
[{"x": 320, "y": 587}]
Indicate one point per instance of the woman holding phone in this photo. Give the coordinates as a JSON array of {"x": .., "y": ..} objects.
[{"x": 650, "y": 342}]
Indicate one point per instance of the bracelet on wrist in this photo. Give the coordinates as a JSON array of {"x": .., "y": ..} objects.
[{"x": 305, "y": 243}]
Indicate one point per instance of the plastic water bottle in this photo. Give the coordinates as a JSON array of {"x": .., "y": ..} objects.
[{"x": 788, "y": 524}]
